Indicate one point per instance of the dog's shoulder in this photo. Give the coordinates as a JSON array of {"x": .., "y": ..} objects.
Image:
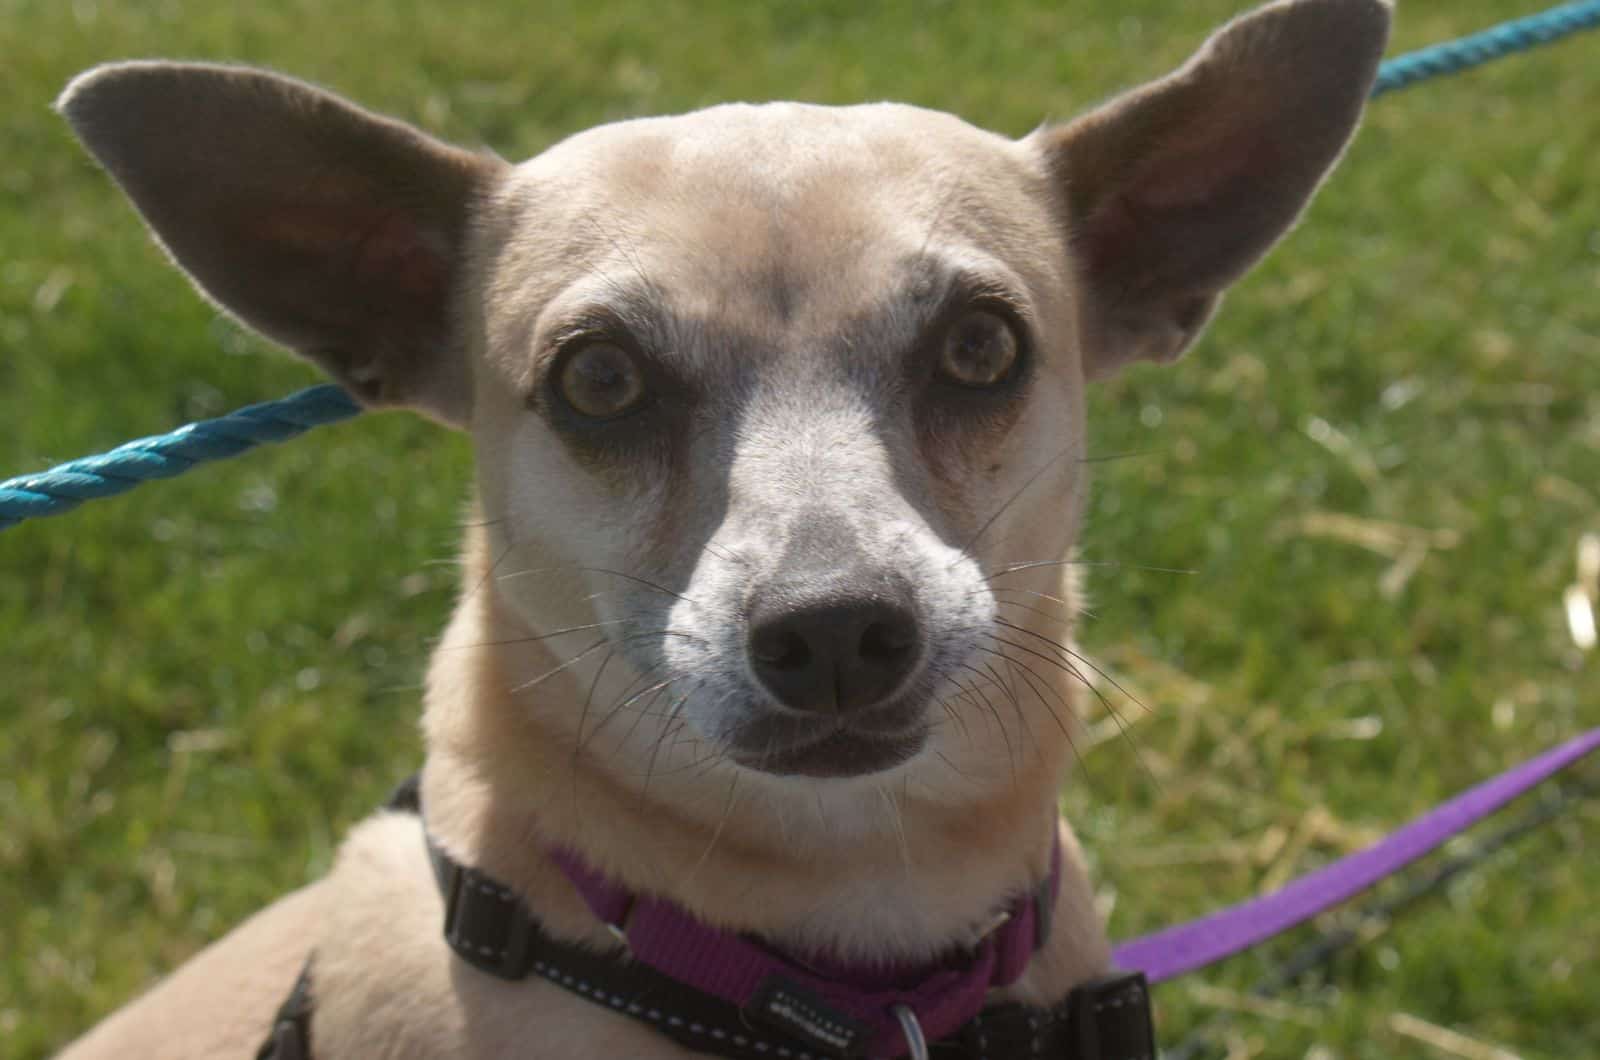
[
  {"x": 221, "y": 1002},
  {"x": 384, "y": 981}
]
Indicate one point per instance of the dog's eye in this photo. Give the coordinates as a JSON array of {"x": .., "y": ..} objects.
[
  {"x": 601, "y": 380},
  {"x": 980, "y": 349}
]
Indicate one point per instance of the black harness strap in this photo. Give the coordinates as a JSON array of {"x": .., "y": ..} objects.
[
  {"x": 488, "y": 927},
  {"x": 290, "y": 1037}
]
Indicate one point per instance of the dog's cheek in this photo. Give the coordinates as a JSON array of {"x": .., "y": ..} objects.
[
  {"x": 967, "y": 469},
  {"x": 551, "y": 511},
  {"x": 1032, "y": 484}
]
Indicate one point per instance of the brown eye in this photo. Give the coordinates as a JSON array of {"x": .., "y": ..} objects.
[
  {"x": 601, "y": 380},
  {"x": 980, "y": 350}
]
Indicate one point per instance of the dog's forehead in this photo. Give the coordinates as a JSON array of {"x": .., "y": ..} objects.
[
  {"x": 774, "y": 150},
  {"x": 770, "y": 212}
]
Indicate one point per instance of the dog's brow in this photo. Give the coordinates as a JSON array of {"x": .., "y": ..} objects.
[
  {"x": 943, "y": 287},
  {"x": 625, "y": 308}
]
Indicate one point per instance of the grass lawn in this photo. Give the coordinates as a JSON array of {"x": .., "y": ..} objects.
[{"x": 1378, "y": 466}]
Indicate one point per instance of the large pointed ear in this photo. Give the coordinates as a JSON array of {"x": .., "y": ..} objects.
[
  {"x": 1172, "y": 191},
  {"x": 332, "y": 230}
]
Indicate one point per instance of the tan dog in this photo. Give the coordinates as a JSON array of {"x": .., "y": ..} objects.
[{"x": 779, "y": 421}]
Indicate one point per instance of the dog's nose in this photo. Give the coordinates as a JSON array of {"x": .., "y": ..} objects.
[{"x": 833, "y": 656}]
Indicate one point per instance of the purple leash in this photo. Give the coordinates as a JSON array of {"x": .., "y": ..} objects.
[{"x": 1175, "y": 951}]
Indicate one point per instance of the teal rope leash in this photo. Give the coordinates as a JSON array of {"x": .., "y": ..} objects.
[
  {"x": 1452, "y": 57},
  {"x": 162, "y": 456}
]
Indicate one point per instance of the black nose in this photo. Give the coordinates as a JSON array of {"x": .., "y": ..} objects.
[{"x": 833, "y": 656}]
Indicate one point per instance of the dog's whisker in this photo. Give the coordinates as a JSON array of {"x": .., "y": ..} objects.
[
  {"x": 655, "y": 750},
  {"x": 638, "y": 719},
  {"x": 1034, "y": 680},
  {"x": 957, "y": 770},
  {"x": 1064, "y": 621},
  {"x": 944, "y": 702},
  {"x": 583, "y": 715},
  {"x": 575, "y": 660},
  {"x": 994, "y": 711},
  {"x": 1030, "y": 675},
  {"x": 628, "y": 697},
  {"x": 897, "y": 823},
  {"x": 1048, "y": 616},
  {"x": 1085, "y": 660},
  {"x": 635, "y": 578},
  {"x": 1116, "y": 715},
  {"x": 1106, "y": 458},
  {"x": 716, "y": 833},
  {"x": 1070, "y": 605},
  {"x": 1074, "y": 608},
  {"x": 514, "y": 641},
  {"x": 966, "y": 550},
  {"x": 1070, "y": 562},
  {"x": 488, "y": 575},
  {"x": 675, "y": 730},
  {"x": 591, "y": 649},
  {"x": 1012, "y": 697},
  {"x": 1066, "y": 668},
  {"x": 646, "y": 582},
  {"x": 1078, "y": 675}
]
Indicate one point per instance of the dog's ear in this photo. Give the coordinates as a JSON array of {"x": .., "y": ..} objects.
[
  {"x": 334, "y": 231},
  {"x": 1172, "y": 191}
]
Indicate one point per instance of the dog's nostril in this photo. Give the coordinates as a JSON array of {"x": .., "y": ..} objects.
[
  {"x": 780, "y": 649},
  {"x": 887, "y": 643}
]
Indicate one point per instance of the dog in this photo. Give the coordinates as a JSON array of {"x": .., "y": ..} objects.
[{"x": 778, "y": 414}]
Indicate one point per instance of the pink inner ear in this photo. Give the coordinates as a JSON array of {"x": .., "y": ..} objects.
[
  {"x": 384, "y": 251},
  {"x": 1108, "y": 235},
  {"x": 397, "y": 251},
  {"x": 1201, "y": 168},
  {"x": 1163, "y": 220}
]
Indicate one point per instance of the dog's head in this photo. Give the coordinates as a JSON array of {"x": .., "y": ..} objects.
[{"x": 778, "y": 409}]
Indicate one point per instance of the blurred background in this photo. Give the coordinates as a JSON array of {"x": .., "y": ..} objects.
[{"x": 1378, "y": 467}]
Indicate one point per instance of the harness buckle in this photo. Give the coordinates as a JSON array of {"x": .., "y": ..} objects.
[
  {"x": 996, "y": 922},
  {"x": 486, "y": 925},
  {"x": 619, "y": 929},
  {"x": 1110, "y": 1018}
]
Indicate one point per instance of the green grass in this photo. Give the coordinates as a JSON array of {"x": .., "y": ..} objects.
[{"x": 204, "y": 683}]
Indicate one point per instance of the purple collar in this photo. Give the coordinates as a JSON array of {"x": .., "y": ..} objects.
[{"x": 825, "y": 1001}]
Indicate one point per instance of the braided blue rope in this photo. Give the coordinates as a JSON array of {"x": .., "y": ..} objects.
[
  {"x": 1452, "y": 57},
  {"x": 165, "y": 455}
]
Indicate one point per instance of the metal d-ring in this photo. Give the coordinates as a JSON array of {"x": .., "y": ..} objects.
[
  {"x": 915, "y": 1042},
  {"x": 619, "y": 928}
]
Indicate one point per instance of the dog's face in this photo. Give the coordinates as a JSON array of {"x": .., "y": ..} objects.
[
  {"x": 762, "y": 375},
  {"x": 778, "y": 409}
]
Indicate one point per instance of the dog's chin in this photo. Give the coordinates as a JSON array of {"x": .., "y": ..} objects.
[
  {"x": 839, "y": 754},
  {"x": 829, "y": 747}
]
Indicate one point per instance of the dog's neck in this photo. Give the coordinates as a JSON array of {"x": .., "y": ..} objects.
[{"x": 861, "y": 874}]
